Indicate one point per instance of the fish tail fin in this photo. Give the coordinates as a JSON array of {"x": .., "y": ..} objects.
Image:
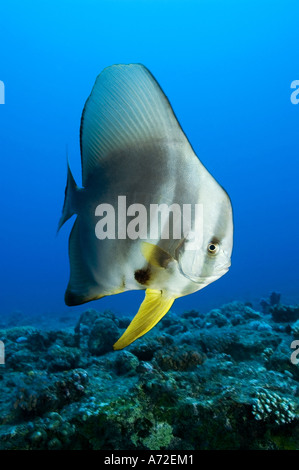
[
  {"x": 69, "y": 206},
  {"x": 155, "y": 305}
]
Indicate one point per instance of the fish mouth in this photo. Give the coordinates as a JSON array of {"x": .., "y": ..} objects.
[
  {"x": 208, "y": 279},
  {"x": 223, "y": 269}
]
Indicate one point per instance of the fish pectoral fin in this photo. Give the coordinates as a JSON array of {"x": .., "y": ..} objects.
[
  {"x": 155, "y": 305},
  {"x": 155, "y": 255}
]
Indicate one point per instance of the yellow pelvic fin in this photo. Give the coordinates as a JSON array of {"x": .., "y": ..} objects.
[
  {"x": 155, "y": 305},
  {"x": 155, "y": 255}
]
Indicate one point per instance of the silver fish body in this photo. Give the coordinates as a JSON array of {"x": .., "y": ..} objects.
[{"x": 135, "y": 155}]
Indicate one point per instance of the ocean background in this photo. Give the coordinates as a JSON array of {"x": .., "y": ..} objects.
[{"x": 227, "y": 69}]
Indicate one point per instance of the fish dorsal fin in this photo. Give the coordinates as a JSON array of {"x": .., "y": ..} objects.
[
  {"x": 126, "y": 108},
  {"x": 155, "y": 305}
]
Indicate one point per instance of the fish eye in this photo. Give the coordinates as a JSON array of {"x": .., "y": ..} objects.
[{"x": 213, "y": 248}]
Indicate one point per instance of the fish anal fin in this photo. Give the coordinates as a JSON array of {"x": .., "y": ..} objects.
[
  {"x": 155, "y": 255},
  {"x": 155, "y": 305},
  {"x": 72, "y": 299}
]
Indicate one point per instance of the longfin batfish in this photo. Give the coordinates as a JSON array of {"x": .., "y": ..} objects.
[{"x": 137, "y": 160}]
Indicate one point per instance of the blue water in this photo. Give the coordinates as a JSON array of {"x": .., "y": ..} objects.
[{"x": 227, "y": 69}]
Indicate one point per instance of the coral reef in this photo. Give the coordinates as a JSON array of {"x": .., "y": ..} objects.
[
  {"x": 274, "y": 299},
  {"x": 295, "y": 329},
  {"x": 285, "y": 313},
  {"x": 221, "y": 380},
  {"x": 271, "y": 405}
]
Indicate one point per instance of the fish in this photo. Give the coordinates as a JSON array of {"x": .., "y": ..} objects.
[{"x": 149, "y": 215}]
